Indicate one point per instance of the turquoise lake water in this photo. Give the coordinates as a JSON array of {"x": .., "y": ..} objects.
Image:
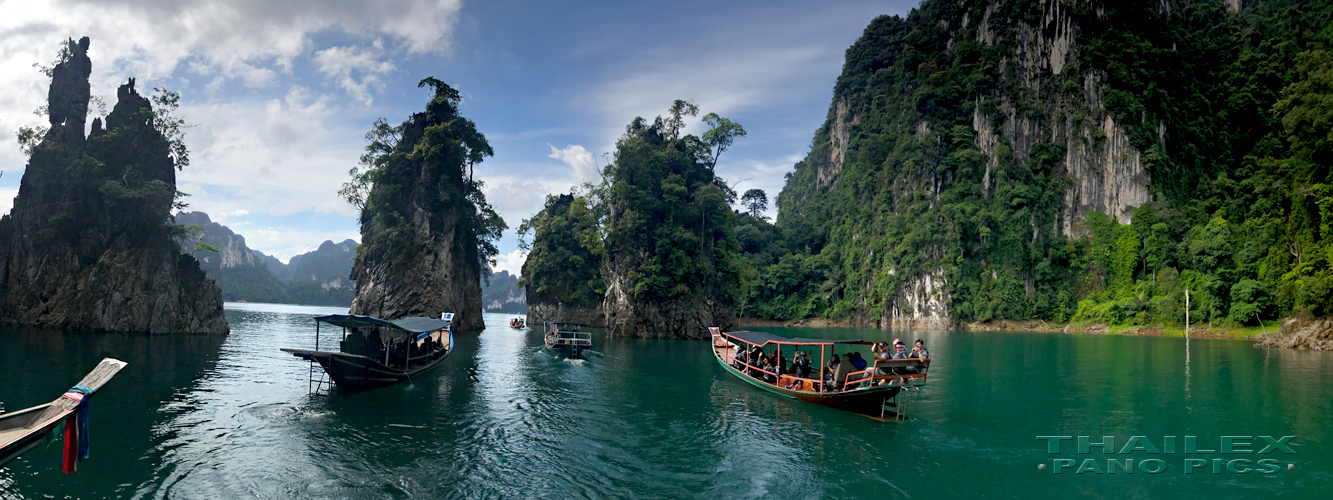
[{"x": 230, "y": 417}]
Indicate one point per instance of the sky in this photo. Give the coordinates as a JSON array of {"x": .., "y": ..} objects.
[{"x": 279, "y": 95}]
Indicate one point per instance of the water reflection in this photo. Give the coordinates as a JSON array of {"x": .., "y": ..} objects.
[{"x": 209, "y": 417}]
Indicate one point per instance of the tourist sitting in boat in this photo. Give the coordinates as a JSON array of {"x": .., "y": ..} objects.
[
  {"x": 831, "y": 370},
  {"x": 801, "y": 366},
  {"x": 739, "y": 358},
  {"x": 858, "y": 362},
  {"x": 841, "y": 371},
  {"x": 769, "y": 370},
  {"x": 900, "y": 352},
  {"x": 881, "y": 353}
]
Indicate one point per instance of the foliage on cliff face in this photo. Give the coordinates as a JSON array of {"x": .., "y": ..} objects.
[
  {"x": 564, "y": 263},
  {"x": 424, "y": 163},
  {"x": 669, "y": 227},
  {"x": 1231, "y": 112},
  {"x": 659, "y": 225}
]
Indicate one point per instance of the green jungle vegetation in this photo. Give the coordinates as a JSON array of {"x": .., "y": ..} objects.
[
  {"x": 427, "y": 162},
  {"x": 660, "y": 221},
  {"x": 1242, "y": 207}
]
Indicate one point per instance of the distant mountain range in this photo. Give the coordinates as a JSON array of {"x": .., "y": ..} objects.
[
  {"x": 314, "y": 278},
  {"x": 503, "y": 295}
]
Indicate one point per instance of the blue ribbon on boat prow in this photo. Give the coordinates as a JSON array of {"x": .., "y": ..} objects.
[{"x": 83, "y": 417}]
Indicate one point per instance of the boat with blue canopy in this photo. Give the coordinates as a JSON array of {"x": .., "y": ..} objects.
[{"x": 374, "y": 353}]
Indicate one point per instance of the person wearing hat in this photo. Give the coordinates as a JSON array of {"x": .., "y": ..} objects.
[{"x": 900, "y": 352}]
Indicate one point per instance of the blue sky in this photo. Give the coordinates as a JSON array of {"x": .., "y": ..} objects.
[{"x": 281, "y": 93}]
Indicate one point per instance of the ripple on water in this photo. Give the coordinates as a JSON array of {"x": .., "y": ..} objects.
[{"x": 502, "y": 418}]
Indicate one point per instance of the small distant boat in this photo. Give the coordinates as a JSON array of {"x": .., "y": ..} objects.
[
  {"x": 871, "y": 392},
  {"x": 568, "y": 339},
  {"x": 517, "y": 323},
  {"x": 23, "y": 430},
  {"x": 375, "y": 353}
]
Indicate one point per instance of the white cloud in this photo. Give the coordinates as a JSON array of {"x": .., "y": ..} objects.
[
  {"x": 277, "y": 156},
  {"x": 585, "y": 166},
  {"x": 516, "y": 198},
  {"x": 255, "y": 42},
  {"x": 720, "y": 82},
  {"x": 241, "y": 213},
  {"x": 512, "y": 262},
  {"x": 7, "y": 200},
  {"x": 340, "y": 62}
]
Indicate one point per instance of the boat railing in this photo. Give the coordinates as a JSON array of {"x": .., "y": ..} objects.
[{"x": 872, "y": 374}]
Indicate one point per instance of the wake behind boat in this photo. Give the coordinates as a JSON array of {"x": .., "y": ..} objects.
[
  {"x": 375, "y": 353},
  {"x": 568, "y": 339},
  {"x": 872, "y": 391}
]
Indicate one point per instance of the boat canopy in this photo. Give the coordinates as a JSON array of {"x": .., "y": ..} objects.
[
  {"x": 418, "y": 325},
  {"x": 761, "y": 338}
]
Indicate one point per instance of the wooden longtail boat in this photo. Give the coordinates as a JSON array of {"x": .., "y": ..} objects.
[
  {"x": 568, "y": 339},
  {"x": 517, "y": 323},
  {"x": 22, "y": 430},
  {"x": 375, "y": 353},
  {"x": 869, "y": 392}
]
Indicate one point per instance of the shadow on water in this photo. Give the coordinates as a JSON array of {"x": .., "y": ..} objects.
[{"x": 213, "y": 417}]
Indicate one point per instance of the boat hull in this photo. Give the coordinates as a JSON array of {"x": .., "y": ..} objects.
[
  {"x": 19, "y": 433},
  {"x": 868, "y": 401},
  {"x": 353, "y": 373}
]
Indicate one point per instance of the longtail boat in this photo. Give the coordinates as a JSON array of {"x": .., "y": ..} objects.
[
  {"x": 568, "y": 339},
  {"x": 870, "y": 391},
  {"x": 517, "y": 323},
  {"x": 22, "y": 430},
  {"x": 375, "y": 353}
]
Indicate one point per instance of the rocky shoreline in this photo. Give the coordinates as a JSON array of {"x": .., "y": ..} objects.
[{"x": 1301, "y": 331}]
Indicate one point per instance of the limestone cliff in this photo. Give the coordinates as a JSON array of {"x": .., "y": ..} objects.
[
  {"x": 918, "y": 99},
  {"x": 241, "y": 273},
  {"x": 88, "y": 242},
  {"x": 503, "y": 294},
  {"x": 426, "y": 228}
]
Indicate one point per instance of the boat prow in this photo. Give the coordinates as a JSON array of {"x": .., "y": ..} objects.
[{"x": 23, "y": 430}]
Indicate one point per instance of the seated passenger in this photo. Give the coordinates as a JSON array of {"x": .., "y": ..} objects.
[
  {"x": 768, "y": 371},
  {"x": 801, "y": 365},
  {"x": 858, "y": 362},
  {"x": 831, "y": 370},
  {"x": 900, "y": 352},
  {"x": 840, "y": 373},
  {"x": 919, "y": 353}
]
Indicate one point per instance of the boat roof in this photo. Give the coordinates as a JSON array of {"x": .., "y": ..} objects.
[
  {"x": 414, "y": 324},
  {"x": 761, "y": 338}
]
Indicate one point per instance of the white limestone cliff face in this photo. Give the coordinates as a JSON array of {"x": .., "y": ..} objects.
[
  {"x": 1107, "y": 173},
  {"x": 923, "y": 304}
]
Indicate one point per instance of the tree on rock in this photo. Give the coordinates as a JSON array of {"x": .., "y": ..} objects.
[
  {"x": 428, "y": 235},
  {"x": 562, "y": 273},
  {"x": 671, "y": 253}
]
